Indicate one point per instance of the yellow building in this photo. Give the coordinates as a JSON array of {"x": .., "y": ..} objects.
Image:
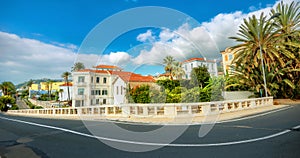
[
  {"x": 227, "y": 57},
  {"x": 54, "y": 86}
]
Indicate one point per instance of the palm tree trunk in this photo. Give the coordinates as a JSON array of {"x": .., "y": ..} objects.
[{"x": 68, "y": 90}]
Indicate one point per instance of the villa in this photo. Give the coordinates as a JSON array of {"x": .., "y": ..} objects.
[
  {"x": 191, "y": 63},
  {"x": 105, "y": 84}
]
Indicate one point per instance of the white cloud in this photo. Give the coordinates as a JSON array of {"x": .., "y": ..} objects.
[
  {"x": 147, "y": 36},
  {"x": 116, "y": 58},
  {"x": 208, "y": 39},
  {"x": 22, "y": 59}
]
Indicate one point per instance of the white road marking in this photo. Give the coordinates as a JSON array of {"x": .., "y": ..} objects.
[{"x": 152, "y": 144}]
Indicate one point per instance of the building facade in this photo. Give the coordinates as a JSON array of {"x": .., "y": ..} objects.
[
  {"x": 104, "y": 85},
  {"x": 189, "y": 64},
  {"x": 227, "y": 57},
  {"x": 63, "y": 92}
]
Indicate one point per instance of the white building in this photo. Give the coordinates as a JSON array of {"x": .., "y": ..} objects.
[
  {"x": 63, "y": 96},
  {"x": 189, "y": 64},
  {"x": 103, "y": 85}
]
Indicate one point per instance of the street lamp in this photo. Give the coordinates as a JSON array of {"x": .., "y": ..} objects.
[{"x": 261, "y": 57}]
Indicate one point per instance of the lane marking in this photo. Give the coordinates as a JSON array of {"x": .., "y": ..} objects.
[{"x": 152, "y": 144}]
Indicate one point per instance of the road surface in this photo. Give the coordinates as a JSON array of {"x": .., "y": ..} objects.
[{"x": 273, "y": 135}]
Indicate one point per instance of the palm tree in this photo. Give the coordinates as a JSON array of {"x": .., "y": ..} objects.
[
  {"x": 8, "y": 88},
  {"x": 78, "y": 66},
  {"x": 287, "y": 23},
  {"x": 279, "y": 50},
  {"x": 49, "y": 88},
  {"x": 177, "y": 70},
  {"x": 66, "y": 76},
  {"x": 168, "y": 61}
]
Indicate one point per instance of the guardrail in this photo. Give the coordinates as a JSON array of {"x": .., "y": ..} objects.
[{"x": 155, "y": 110}]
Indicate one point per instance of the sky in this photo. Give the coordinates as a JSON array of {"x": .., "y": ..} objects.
[{"x": 43, "y": 39}]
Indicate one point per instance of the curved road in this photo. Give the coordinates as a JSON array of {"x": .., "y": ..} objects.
[{"x": 274, "y": 135}]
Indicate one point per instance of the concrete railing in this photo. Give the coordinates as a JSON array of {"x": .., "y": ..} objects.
[{"x": 155, "y": 110}]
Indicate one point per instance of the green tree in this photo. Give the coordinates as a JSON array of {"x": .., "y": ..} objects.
[
  {"x": 49, "y": 88},
  {"x": 287, "y": 23},
  {"x": 78, "y": 66},
  {"x": 274, "y": 38},
  {"x": 177, "y": 70},
  {"x": 8, "y": 88},
  {"x": 169, "y": 61},
  {"x": 66, "y": 76},
  {"x": 7, "y": 102},
  {"x": 200, "y": 76},
  {"x": 139, "y": 94}
]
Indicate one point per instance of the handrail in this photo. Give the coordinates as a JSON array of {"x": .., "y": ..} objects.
[{"x": 161, "y": 110}]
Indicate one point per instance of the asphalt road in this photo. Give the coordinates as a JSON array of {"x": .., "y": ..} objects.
[{"x": 263, "y": 136}]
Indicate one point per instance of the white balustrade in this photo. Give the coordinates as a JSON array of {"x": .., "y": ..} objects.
[{"x": 150, "y": 110}]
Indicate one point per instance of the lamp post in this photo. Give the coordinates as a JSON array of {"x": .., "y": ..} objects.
[{"x": 261, "y": 57}]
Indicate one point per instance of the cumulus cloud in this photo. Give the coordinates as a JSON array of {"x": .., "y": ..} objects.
[
  {"x": 146, "y": 37},
  {"x": 22, "y": 59},
  {"x": 116, "y": 58},
  {"x": 207, "y": 39}
]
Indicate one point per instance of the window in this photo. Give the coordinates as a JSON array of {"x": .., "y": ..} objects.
[
  {"x": 77, "y": 103},
  {"x": 80, "y": 91},
  {"x": 92, "y": 92},
  {"x": 80, "y": 78},
  {"x": 186, "y": 76},
  {"x": 104, "y": 80},
  {"x": 117, "y": 90},
  {"x": 98, "y": 92},
  {"x": 230, "y": 56},
  {"x": 104, "y": 101},
  {"x": 191, "y": 65},
  {"x": 185, "y": 67},
  {"x": 92, "y": 79},
  {"x": 91, "y": 101},
  {"x": 226, "y": 57},
  {"x": 104, "y": 92},
  {"x": 97, "y": 79},
  {"x": 121, "y": 90},
  {"x": 97, "y": 101}
]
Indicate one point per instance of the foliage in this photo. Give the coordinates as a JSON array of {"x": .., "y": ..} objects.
[
  {"x": 168, "y": 61},
  {"x": 8, "y": 88},
  {"x": 78, "y": 66},
  {"x": 200, "y": 76},
  {"x": 173, "y": 68},
  {"x": 140, "y": 94},
  {"x": 6, "y": 101},
  {"x": 66, "y": 76},
  {"x": 277, "y": 38},
  {"x": 168, "y": 84}
]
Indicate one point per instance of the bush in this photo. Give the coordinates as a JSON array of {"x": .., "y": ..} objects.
[{"x": 7, "y": 100}]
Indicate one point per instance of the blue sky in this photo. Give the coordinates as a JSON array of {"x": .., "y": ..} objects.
[{"x": 39, "y": 39}]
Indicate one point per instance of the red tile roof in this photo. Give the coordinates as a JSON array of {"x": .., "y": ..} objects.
[
  {"x": 132, "y": 77},
  {"x": 95, "y": 71},
  {"x": 66, "y": 84},
  {"x": 194, "y": 59},
  {"x": 106, "y": 67}
]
